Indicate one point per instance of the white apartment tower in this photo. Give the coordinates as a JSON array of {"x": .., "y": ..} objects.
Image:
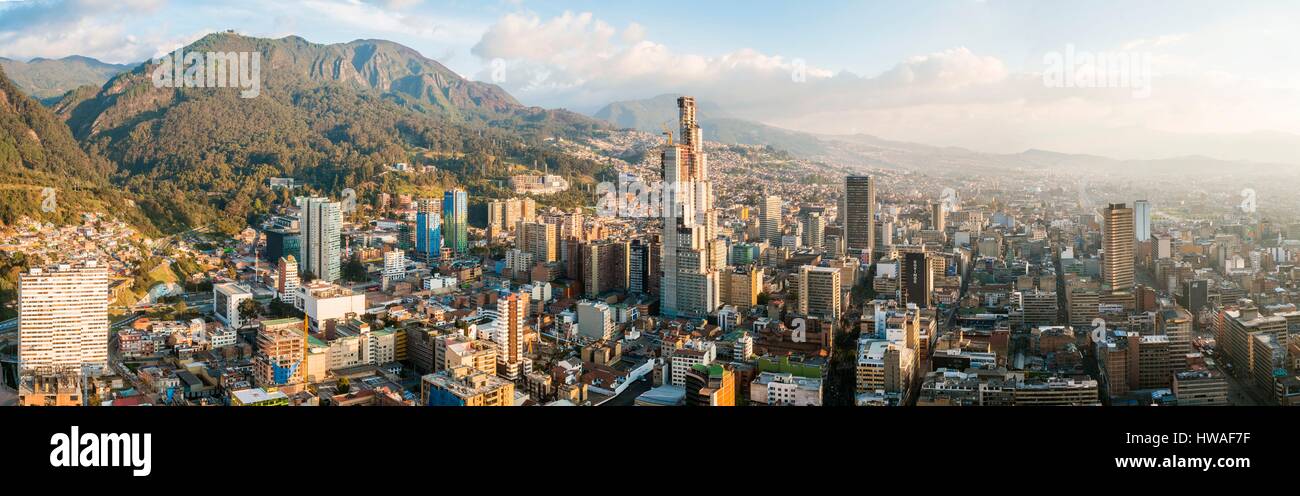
[
  {"x": 63, "y": 319},
  {"x": 322, "y": 224}
]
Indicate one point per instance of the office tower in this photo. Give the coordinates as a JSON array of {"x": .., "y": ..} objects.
[
  {"x": 283, "y": 238},
  {"x": 280, "y": 353},
  {"x": 1142, "y": 220},
  {"x": 1037, "y": 308},
  {"x": 859, "y": 213},
  {"x": 915, "y": 280},
  {"x": 595, "y": 320},
  {"x": 938, "y": 217},
  {"x": 321, "y": 224},
  {"x": 508, "y": 328},
  {"x": 638, "y": 264},
  {"x": 1117, "y": 263},
  {"x": 428, "y": 230},
  {"x": 819, "y": 292},
  {"x": 286, "y": 280},
  {"x": 605, "y": 267},
  {"x": 1083, "y": 306},
  {"x": 689, "y": 285},
  {"x": 540, "y": 240},
  {"x": 771, "y": 227},
  {"x": 1197, "y": 295},
  {"x": 711, "y": 385},
  {"x": 63, "y": 319},
  {"x": 226, "y": 298},
  {"x": 814, "y": 231},
  {"x": 455, "y": 220}
]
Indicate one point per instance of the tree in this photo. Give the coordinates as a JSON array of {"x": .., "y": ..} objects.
[
  {"x": 763, "y": 298},
  {"x": 248, "y": 310},
  {"x": 354, "y": 270},
  {"x": 344, "y": 386}
]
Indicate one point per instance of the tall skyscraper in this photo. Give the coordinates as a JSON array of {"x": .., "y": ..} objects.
[
  {"x": 321, "y": 225},
  {"x": 1142, "y": 219},
  {"x": 859, "y": 213},
  {"x": 1117, "y": 240},
  {"x": 455, "y": 220},
  {"x": 63, "y": 319},
  {"x": 428, "y": 230},
  {"x": 689, "y": 286},
  {"x": 771, "y": 224},
  {"x": 819, "y": 292}
]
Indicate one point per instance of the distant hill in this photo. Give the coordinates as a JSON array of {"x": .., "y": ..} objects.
[
  {"x": 38, "y": 152},
  {"x": 49, "y": 79}
]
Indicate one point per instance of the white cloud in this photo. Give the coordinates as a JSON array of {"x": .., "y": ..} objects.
[{"x": 951, "y": 97}]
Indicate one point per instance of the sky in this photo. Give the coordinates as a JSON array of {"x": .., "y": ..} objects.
[{"x": 1198, "y": 77}]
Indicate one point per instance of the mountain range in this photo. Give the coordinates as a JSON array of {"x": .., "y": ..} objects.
[
  {"x": 1268, "y": 152},
  {"x": 332, "y": 116},
  {"x": 48, "y": 79}
]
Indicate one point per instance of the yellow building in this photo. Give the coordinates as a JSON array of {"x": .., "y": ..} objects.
[{"x": 465, "y": 386}]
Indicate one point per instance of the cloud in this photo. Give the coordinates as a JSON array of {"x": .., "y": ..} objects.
[
  {"x": 953, "y": 97},
  {"x": 56, "y": 28}
]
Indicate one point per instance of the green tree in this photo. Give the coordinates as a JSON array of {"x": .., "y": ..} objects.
[{"x": 249, "y": 310}]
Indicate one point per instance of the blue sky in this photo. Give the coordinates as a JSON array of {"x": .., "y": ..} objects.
[{"x": 947, "y": 72}]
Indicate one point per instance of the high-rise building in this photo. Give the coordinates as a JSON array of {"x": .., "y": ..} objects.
[
  {"x": 770, "y": 227},
  {"x": 428, "y": 230},
  {"x": 819, "y": 292},
  {"x": 541, "y": 240},
  {"x": 915, "y": 279},
  {"x": 638, "y": 273},
  {"x": 321, "y": 224},
  {"x": 689, "y": 286},
  {"x": 455, "y": 220},
  {"x": 1142, "y": 220},
  {"x": 287, "y": 281},
  {"x": 605, "y": 267},
  {"x": 938, "y": 217},
  {"x": 859, "y": 213},
  {"x": 814, "y": 230},
  {"x": 1176, "y": 324},
  {"x": 508, "y": 326},
  {"x": 63, "y": 319},
  {"x": 743, "y": 286},
  {"x": 1117, "y": 262}
]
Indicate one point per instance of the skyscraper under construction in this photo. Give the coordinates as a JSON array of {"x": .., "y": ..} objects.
[{"x": 689, "y": 286}]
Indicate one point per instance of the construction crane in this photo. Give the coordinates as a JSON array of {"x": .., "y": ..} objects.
[{"x": 668, "y": 133}]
